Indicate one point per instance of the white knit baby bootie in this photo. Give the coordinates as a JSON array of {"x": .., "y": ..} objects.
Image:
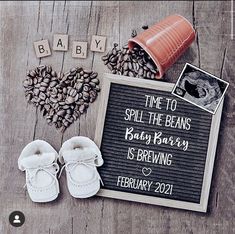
[
  {"x": 81, "y": 157},
  {"x": 38, "y": 160}
]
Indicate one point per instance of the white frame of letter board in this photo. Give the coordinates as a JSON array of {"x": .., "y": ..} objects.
[{"x": 212, "y": 143}]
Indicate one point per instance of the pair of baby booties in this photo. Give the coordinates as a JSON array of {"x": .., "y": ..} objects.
[{"x": 79, "y": 156}]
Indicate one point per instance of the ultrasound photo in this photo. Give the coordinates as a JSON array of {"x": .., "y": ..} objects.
[{"x": 200, "y": 88}]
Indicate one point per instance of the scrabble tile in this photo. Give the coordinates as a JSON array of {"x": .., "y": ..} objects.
[
  {"x": 60, "y": 42},
  {"x": 42, "y": 48},
  {"x": 79, "y": 49},
  {"x": 98, "y": 43}
]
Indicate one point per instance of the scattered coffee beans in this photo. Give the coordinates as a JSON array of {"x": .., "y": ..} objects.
[
  {"x": 61, "y": 98},
  {"x": 134, "y": 33},
  {"x": 145, "y": 27},
  {"x": 134, "y": 63}
]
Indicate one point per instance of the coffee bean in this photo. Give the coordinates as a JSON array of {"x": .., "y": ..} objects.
[
  {"x": 36, "y": 92},
  {"x": 35, "y": 81},
  {"x": 125, "y": 73},
  {"x": 96, "y": 81},
  {"x": 148, "y": 74},
  {"x": 87, "y": 80},
  {"x": 42, "y": 89},
  {"x": 82, "y": 108},
  {"x": 69, "y": 111},
  {"x": 60, "y": 97},
  {"x": 55, "y": 118},
  {"x": 66, "y": 123},
  {"x": 32, "y": 74},
  {"x": 26, "y": 83},
  {"x": 137, "y": 67},
  {"x": 97, "y": 88},
  {"x": 73, "y": 70},
  {"x": 53, "y": 100},
  {"x": 69, "y": 100},
  {"x": 47, "y": 79},
  {"x": 140, "y": 62},
  {"x": 109, "y": 66},
  {"x": 61, "y": 113},
  {"x": 47, "y": 107},
  {"x": 49, "y": 121},
  {"x": 73, "y": 92},
  {"x": 70, "y": 77},
  {"x": 76, "y": 98},
  {"x": 43, "y": 84},
  {"x": 87, "y": 72},
  {"x": 141, "y": 71},
  {"x": 53, "y": 73},
  {"x": 53, "y": 84},
  {"x": 86, "y": 94},
  {"x": 106, "y": 62},
  {"x": 86, "y": 88},
  {"x": 42, "y": 96},
  {"x": 125, "y": 58},
  {"x": 41, "y": 67},
  {"x": 131, "y": 74},
  {"x": 61, "y": 103},
  {"x": 59, "y": 124},
  {"x": 125, "y": 66},
  {"x": 145, "y": 74},
  {"x": 42, "y": 103},
  {"x": 78, "y": 86},
  {"x": 134, "y": 33},
  {"x": 145, "y": 68},
  {"x": 54, "y": 90},
  {"x": 94, "y": 75},
  {"x": 150, "y": 66},
  {"x": 29, "y": 97},
  {"x": 30, "y": 82},
  {"x": 114, "y": 59},
  {"x": 105, "y": 57},
  {"x": 145, "y": 27}
]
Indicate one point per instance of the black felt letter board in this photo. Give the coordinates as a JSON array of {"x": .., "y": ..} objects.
[{"x": 154, "y": 144}]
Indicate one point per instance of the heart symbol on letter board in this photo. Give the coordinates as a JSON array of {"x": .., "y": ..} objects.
[
  {"x": 146, "y": 171},
  {"x": 61, "y": 98}
]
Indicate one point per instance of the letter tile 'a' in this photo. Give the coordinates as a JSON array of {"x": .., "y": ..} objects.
[
  {"x": 60, "y": 42},
  {"x": 98, "y": 43},
  {"x": 42, "y": 48}
]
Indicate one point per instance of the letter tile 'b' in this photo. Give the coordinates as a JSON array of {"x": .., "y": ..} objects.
[
  {"x": 42, "y": 48},
  {"x": 79, "y": 49}
]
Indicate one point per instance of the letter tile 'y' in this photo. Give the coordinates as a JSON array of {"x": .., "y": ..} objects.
[{"x": 98, "y": 43}]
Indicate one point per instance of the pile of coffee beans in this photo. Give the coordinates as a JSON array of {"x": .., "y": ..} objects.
[
  {"x": 61, "y": 98},
  {"x": 134, "y": 63}
]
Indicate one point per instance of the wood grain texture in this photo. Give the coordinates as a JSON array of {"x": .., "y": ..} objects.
[{"x": 22, "y": 23}]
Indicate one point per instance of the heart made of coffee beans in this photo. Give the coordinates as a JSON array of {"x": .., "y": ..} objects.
[{"x": 61, "y": 98}]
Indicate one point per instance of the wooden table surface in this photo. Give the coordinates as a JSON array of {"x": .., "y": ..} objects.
[{"x": 22, "y": 23}]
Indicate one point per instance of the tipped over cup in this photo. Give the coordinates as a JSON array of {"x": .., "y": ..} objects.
[{"x": 165, "y": 41}]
